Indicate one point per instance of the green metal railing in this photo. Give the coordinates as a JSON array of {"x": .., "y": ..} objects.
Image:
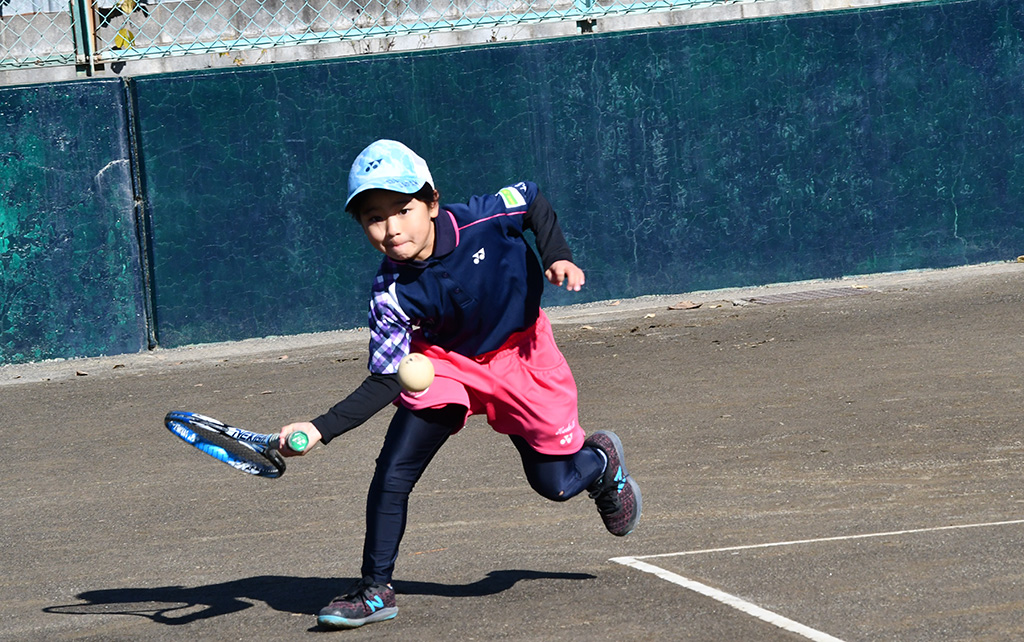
[{"x": 88, "y": 33}]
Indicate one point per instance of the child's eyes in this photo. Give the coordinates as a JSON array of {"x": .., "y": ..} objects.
[{"x": 379, "y": 218}]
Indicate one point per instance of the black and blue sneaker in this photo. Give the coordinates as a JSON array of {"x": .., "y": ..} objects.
[
  {"x": 364, "y": 603},
  {"x": 616, "y": 494}
]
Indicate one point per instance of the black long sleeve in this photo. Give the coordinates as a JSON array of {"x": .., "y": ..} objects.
[
  {"x": 368, "y": 399},
  {"x": 541, "y": 218}
]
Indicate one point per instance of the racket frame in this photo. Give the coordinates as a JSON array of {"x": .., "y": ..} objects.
[{"x": 192, "y": 428}]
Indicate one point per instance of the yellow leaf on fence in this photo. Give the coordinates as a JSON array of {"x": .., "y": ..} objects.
[{"x": 123, "y": 39}]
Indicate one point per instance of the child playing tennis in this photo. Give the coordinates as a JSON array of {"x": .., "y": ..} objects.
[{"x": 459, "y": 284}]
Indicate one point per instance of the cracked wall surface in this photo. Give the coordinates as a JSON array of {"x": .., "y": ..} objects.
[
  {"x": 679, "y": 159},
  {"x": 70, "y": 271}
]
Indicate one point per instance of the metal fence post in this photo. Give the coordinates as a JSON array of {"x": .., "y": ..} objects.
[{"x": 83, "y": 29}]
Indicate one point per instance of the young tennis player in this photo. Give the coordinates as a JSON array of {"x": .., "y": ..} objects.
[{"x": 459, "y": 284}]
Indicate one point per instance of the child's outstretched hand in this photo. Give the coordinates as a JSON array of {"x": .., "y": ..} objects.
[
  {"x": 304, "y": 426},
  {"x": 568, "y": 273}
]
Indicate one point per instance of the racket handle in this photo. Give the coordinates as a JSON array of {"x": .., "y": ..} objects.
[{"x": 298, "y": 441}]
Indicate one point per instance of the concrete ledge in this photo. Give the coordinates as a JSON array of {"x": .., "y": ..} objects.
[{"x": 347, "y": 343}]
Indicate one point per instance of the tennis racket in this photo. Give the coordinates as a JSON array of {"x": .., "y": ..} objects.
[{"x": 250, "y": 452}]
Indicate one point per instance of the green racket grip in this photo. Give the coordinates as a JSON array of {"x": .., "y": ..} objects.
[{"x": 298, "y": 441}]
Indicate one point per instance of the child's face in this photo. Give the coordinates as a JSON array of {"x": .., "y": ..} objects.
[{"x": 398, "y": 224}]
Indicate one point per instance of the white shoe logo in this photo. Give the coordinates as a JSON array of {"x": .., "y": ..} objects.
[{"x": 478, "y": 256}]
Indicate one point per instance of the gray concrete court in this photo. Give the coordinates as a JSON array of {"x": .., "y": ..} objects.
[{"x": 850, "y": 464}]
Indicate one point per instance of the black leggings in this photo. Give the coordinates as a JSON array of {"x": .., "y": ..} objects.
[{"x": 413, "y": 438}]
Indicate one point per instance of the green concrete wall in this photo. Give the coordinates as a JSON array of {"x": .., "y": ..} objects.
[
  {"x": 70, "y": 275},
  {"x": 697, "y": 157}
]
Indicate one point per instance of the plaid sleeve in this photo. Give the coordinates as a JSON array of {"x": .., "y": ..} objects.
[{"x": 390, "y": 327}]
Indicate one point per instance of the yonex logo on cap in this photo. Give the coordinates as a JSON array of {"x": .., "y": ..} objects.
[{"x": 390, "y": 165}]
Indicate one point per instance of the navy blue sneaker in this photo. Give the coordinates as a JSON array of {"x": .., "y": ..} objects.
[
  {"x": 616, "y": 494},
  {"x": 364, "y": 603}
]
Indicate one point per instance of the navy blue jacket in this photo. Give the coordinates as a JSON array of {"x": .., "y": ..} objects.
[{"x": 482, "y": 284}]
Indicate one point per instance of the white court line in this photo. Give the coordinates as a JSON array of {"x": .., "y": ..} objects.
[
  {"x": 730, "y": 600},
  {"x": 840, "y": 538},
  {"x": 755, "y": 610}
]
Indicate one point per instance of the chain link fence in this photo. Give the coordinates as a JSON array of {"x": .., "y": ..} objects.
[{"x": 39, "y": 33}]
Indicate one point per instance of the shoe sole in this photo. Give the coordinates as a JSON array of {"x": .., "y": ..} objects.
[
  {"x": 621, "y": 454},
  {"x": 338, "y": 622},
  {"x": 639, "y": 505}
]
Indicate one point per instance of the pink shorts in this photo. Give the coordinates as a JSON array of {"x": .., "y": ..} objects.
[{"x": 524, "y": 387}]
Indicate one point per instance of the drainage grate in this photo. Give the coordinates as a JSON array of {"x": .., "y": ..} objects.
[{"x": 808, "y": 295}]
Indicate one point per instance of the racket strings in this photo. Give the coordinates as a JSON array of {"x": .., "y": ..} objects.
[{"x": 250, "y": 458}]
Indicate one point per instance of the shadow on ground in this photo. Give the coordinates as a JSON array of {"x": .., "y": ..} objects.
[{"x": 176, "y": 605}]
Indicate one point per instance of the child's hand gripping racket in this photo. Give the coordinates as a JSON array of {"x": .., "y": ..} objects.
[{"x": 249, "y": 452}]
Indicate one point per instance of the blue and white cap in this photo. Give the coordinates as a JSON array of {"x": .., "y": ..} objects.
[{"x": 390, "y": 165}]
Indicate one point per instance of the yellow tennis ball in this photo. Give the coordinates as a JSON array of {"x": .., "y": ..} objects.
[{"x": 415, "y": 372}]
